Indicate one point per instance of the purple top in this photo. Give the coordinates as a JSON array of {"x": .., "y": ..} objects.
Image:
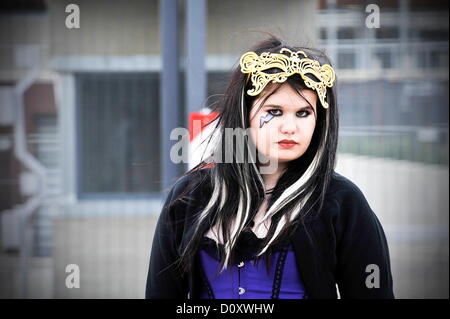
[{"x": 249, "y": 279}]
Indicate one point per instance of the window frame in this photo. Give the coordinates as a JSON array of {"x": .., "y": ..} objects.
[{"x": 82, "y": 194}]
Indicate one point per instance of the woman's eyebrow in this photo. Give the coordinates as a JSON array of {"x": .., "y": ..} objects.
[{"x": 275, "y": 106}]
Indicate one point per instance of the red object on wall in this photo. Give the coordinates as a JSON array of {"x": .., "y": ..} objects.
[
  {"x": 201, "y": 121},
  {"x": 205, "y": 120}
]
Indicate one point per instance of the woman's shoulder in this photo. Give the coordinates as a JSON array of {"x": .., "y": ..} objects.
[
  {"x": 346, "y": 195},
  {"x": 341, "y": 186},
  {"x": 190, "y": 182},
  {"x": 184, "y": 196},
  {"x": 192, "y": 176}
]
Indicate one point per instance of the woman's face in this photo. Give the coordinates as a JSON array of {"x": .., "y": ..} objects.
[{"x": 283, "y": 126}]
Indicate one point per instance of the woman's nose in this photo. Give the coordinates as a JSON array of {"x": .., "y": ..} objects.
[{"x": 288, "y": 125}]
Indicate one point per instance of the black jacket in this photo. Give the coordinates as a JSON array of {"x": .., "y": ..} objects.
[{"x": 340, "y": 247}]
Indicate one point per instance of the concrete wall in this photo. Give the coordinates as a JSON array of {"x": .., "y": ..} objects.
[
  {"x": 112, "y": 254},
  {"x": 114, "y": 27},
  {"x": 110, "y": 27}
]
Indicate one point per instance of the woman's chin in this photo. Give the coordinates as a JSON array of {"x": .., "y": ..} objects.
[
  {"x": 284, "y": 159},
  {"x": 284, "y": 156},
  {"x": 287, "y": 159}
]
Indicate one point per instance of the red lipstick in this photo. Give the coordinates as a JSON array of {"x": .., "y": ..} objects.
[{"x": 287, "y": 143}]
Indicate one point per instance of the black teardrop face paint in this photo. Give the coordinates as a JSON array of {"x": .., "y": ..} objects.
[{"x": 265, "y": 119}]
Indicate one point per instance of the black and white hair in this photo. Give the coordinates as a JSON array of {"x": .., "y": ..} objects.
[{"x": 237, "y": 188}]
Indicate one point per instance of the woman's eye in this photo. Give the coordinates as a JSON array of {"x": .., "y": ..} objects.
[
  {"x": 275, "y": 112},
  {"x": 302, "y": 114}
]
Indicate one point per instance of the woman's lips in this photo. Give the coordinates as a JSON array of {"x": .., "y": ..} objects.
[{"x": 287, "y": 143}]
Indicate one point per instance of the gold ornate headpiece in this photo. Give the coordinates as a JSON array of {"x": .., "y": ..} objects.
[{"x": 323, "y": 76}]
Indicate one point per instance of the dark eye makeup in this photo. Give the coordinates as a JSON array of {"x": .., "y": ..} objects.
[{"x": 302, "y": 113}]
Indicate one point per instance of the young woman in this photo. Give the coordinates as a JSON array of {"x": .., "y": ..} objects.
[{"x": 277, "y": 222}]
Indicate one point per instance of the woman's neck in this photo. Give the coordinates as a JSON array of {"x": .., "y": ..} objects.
[{"x": 270, "y": 180}]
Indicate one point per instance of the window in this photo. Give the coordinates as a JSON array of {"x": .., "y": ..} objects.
[
  {"x": 23, "y": 6},
  {"x": 438, "y": 59},
  {"x": 432, "y": 59},
  {"x": 347, "y": 33},
  {"x": 387, "y": 33},
  {"x": 384, "y": 59},
  {"x": 346, "y": 60},
  {"x": 433, "y": 35},
  {"x": 323, "y": 34},
  {"x": 118, "y": 133}
]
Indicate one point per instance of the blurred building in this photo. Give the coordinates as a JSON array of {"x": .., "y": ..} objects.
[{"x": 393, "y": 78}]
